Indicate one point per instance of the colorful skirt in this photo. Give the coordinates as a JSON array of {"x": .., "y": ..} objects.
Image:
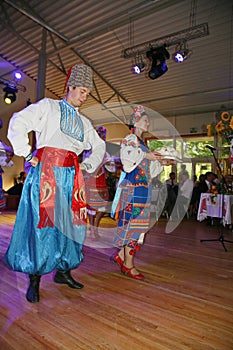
[
  {"x": 97, "y": 194},
  {"x": 133, "y": 214},
  {"x": 34, "y": 250}
]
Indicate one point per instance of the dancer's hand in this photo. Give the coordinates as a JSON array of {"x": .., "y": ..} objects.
[{"x": 34, "y": 161}]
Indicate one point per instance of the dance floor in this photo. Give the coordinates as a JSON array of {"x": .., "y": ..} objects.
[{"x": 184, "y": 303}]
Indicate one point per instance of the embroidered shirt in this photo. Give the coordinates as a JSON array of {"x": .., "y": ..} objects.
[{"x": 44, "y": 118}]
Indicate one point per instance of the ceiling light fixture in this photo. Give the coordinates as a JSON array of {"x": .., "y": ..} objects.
[
  {"x": 11, "y": 88},
  {"x": 18, "y": 75},
  {"x": 139, "y": 65},
  {"x": 158, "y": 56},
  {"x": 182, "y": 52},
  {"x": 10, "y": 94}
]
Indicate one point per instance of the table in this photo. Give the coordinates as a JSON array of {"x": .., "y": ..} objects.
[{"x": 218, "y": 206}]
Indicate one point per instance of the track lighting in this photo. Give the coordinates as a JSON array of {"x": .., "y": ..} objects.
[
  {"x": 10, "y": 94},
  {"x": 158, "y": 56},
  {"x": 182, "y": 52}
]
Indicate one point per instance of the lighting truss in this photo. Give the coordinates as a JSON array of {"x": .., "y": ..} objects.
[
  {"x": 191, "y": 33},
  {"x": 13, "y": 84}
]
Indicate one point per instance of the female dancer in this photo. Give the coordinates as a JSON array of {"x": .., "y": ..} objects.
[{"x": 133, "y": 197}]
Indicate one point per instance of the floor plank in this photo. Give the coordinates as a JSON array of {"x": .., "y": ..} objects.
[{"x": 184, "y": 303}]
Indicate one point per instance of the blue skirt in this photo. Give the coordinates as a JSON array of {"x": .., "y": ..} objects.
[{"x": 39, "y": 251}]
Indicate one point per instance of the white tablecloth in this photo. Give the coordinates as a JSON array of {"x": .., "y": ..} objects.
[{"x": 218, "y": 206}]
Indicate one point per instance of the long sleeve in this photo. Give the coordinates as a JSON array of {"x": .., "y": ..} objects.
[
  {"x": 21, "y": 123},
  {"x": 44, "y": 118},
  {"x": 98, "y": 148},
  {"x": 131, "y": 155}
]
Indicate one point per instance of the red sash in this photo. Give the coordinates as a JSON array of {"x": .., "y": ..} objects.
[{"x": 50, "y": 157}]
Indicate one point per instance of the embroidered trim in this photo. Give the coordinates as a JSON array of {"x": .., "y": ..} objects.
[{"x": 70, "y": 123}]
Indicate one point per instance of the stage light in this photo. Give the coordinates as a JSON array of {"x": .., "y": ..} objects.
[
  {"x": 181, "y": 53},
  {"x": 10, "y": 94},
  {"x": 18, "y": 75},
  {"x": 158, "y": 56},
  {"x": 157, "y": 70},
  {"x": 139, "y": 68},
  {"x": 139, "y": 65}
]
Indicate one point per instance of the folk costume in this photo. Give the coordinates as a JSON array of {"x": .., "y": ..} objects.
[
  {"x": 97, "y": 191},
  {"x": 133, "y": 205},
  {"x": 97, "y": 194},
  {"x": 132, "y": 201},
  {"x": 50, "y": 225}
]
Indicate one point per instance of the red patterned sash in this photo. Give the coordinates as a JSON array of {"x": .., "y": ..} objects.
[{"x": 50, "y": 157}]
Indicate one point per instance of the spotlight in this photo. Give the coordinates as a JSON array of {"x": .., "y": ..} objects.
[
  {"x": 18, "y": 76},
  {"x": 139, "y": 66},
  {"x": 10, "y": 94},
  {"x": 182, "y": 52},
  {"x": 158, "y": 54}
]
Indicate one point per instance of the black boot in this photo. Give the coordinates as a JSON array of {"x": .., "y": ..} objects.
[
  {"x": 33, "y": 290},
  {"x": 64, "y": 277}
]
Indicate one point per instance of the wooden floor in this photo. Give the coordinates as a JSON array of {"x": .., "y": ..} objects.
[{"x": 185, "y": 302}]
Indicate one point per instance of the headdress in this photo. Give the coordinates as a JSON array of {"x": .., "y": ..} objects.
[
  {"x": 80, "y": 75},
  {"x": 136, "y": 116}
]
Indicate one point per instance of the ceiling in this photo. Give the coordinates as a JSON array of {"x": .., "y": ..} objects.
[{"x": 50, "y": 36}]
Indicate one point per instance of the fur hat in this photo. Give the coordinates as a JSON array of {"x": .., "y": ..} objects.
[{"x": 80, "y": 75}]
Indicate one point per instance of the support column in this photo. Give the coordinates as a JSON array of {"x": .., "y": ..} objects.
[{"x": 40, "y": 86}]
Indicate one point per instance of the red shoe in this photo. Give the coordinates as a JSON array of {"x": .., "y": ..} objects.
[
  {"x": 127, "y": 272},
  {"x": 117, "y": 259}
]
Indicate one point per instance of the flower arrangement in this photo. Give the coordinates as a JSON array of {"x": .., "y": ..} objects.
[
  {"x": 219, "y": 188},
  {"x": 223, "y": 127},
  {"x": 214, "y": 190}
]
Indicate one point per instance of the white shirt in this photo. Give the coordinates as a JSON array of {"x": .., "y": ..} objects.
[
  {"x": 3, "y": 157},
  {"x": 131, "y": 156},
  {"x": 43, "y": 117},
  {"x": 208, "y": 184}
]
